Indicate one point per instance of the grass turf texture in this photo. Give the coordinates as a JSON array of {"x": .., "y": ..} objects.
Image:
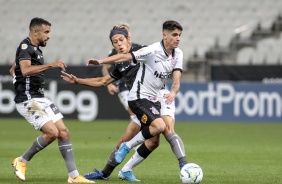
[{"x": 228, "y": 153}]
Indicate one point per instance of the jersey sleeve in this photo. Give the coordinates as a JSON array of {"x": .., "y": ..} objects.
[
  {"x": 179, "y": 62},
  {"x": 25, "y": 52},
  {"x": 116, "y": 74},
  {"x": 142, "y": 54}
]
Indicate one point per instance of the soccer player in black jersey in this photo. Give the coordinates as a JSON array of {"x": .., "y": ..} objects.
[{"x": 40, "y": 112}]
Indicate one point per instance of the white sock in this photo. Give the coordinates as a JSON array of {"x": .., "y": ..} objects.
[
  {"x": 132, "y": 162},
  {"x": 138, "y": 139}
]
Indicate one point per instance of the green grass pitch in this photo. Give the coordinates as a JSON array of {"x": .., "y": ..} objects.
[{"x": 228, "y": 153}]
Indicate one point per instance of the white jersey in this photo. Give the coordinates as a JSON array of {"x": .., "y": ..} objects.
[{"x": 155, "y": 68}]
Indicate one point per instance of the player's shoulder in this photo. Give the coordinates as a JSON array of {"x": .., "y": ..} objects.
[
  {"x": 112, "y": 52},
  {"x": 137, "y": 46},
  {"x": 178, "y": 51},
  {"x": 26, "y": 45}
]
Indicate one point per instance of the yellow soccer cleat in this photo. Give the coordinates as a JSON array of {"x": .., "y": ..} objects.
[
  {"x": 79, "y": 179},
  {"x": 20, "y": 168}
]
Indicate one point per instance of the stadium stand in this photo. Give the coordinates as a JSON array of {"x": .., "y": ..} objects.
[{"x": 80, "y": 28}]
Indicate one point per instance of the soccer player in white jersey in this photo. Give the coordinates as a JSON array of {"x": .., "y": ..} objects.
[{"x": 159, "y": 61}]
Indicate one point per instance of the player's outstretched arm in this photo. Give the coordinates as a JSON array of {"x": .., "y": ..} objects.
[
  {"x": 118, "y": 58},
  {"x": 94, "y": 82},
  {"x": 27, "y": 69}
]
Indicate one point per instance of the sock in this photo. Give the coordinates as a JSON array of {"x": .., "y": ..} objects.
[
  {"x": 177, "y": 147},
  {"x": 140, "y": 137},
  {"x": 111, "y": 164},
  {"x": 139, "y": 155},
  {"x": 38, "y": 145},
  {"x": 67, "y": 152}
]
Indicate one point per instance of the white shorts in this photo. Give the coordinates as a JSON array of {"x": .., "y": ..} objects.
[
  {"x": 39, "y": 111},
  {"x": 123, "y": 98},
  {"x": 166, "y": 109}
]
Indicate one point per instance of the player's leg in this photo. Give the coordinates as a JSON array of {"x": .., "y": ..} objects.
[
  {"x": 141, "y": 154},
  {"x": 176, "y": 143},
  {"x": 64, "y": 143},
  {"x": 34, "y": 112},
  {"x": 132, "y": 129},
  {"x": 149, "y": 114}
]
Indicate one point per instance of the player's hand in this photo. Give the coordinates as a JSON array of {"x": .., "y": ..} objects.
[
  {"x": 169, "y": 97},
  {"x": 112, "y": 89},
  {"x": 92, "y": 61},
  {"x": 69, "y": 77},
  {"x": 59, "y": 64}
]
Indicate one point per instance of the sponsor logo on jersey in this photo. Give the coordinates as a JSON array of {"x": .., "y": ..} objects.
[
  {"x": 144, "y": 55},
  {"x": 162, "y": 75},
  {"x": 144, "y": 119},
  {"x": 23, "y": 46}
]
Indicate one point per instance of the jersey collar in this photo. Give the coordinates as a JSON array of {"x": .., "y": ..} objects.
[{"x": 166, "y": 53}]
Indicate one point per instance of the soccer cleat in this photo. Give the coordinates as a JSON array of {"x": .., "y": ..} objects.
[
  {"x": 96, "y": 175},
  {"x": 20, "y": 168},
  {"x": 79, "y": 179},
  {"x": 121, "y": 153},
  {"x": 129, "y": 176},
  {"x": 182, "y": 165}
]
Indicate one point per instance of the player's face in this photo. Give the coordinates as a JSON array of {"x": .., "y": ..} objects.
[
  {"x": 120, "y": 43},
  {"x": 172, "y": 38},
  {"x": 43, "y": 35}
]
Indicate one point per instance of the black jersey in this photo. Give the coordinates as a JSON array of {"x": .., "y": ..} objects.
[
  {"x": 123, "y": 71},
  {"x": 30, "y": 86}
]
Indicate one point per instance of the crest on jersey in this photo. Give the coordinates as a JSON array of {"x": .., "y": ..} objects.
[
  {"x": 144, "y": 119},
  {"x": 23, "y": 46}
]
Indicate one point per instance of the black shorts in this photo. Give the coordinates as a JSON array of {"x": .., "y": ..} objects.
[{"x": 145, "y": 110}]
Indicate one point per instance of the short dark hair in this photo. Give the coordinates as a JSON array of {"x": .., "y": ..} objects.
[
  {"x": 38, "y": 22},
  {"x": 171, "y": 25}
]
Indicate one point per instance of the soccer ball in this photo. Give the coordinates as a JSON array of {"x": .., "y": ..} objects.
[{"x": 191, "y": 173}]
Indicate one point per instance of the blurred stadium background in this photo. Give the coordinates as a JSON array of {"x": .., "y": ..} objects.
[{"x": 223, "y": 40}]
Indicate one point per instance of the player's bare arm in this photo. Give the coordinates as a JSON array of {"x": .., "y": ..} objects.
[
  {"x": 112, "y": 89},
  {"x": 27, "y": 69},
  {"x": 176, "y": 77},
  {"x": 110, "y": 60},
  {"x": 11, "y": 71},
  {"x": 94, "y": 82}
]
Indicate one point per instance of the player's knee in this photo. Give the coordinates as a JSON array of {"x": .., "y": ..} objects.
[
  {"x": 168, "y": 130},
  {"x": 159, "y": 126},
  {"x": 64, "y": 134},
  {"x": 51, "y": 135}
]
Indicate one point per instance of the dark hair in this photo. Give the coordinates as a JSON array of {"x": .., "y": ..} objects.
[
  {"x": 38, "y": 22},
  {"x": 171, "y": 25},
  {"x": 118, "y": 30}
]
